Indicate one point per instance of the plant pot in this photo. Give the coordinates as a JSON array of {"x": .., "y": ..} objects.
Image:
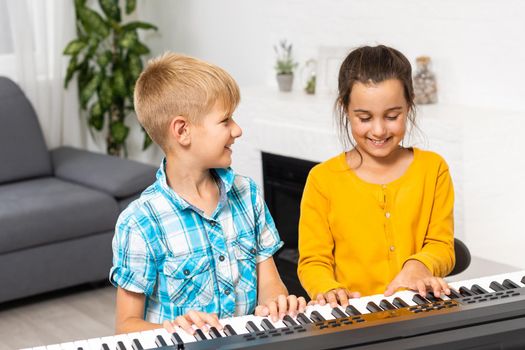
[{"x": 285, "y": 82}]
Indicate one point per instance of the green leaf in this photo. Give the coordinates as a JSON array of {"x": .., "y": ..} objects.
[
  {"x": 93, "y": 46},
  {"x": 139, "y": 48},
  {"x": 119, "y": 132},
  {"x": 104, "y": 58},
  {"x": 110, "y": 9},
  {"x": 71, "y": 68},
  {"x": 147, "y": 140},
  {"x": 119, "y": 83},
  {"x": 128, "y": 39},
  {"x": 74, "y": 47},
  {"x": 96, "y": 116},
  {"x": 80, "y": 3},
  {"x": 138, "y": 25},
  {"x": 130, "y": 6},
  {"x": 105, "y": 93},
  {"x": 135, "y": 67},
  {"x": 93, "y": 22},
  {"x": 88, "y": 90}
]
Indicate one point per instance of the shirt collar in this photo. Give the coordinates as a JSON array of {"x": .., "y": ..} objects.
[{"x": 225, "y": 177}]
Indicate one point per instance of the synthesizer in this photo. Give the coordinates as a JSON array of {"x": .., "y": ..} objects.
[{"x": 483, "y": 313}]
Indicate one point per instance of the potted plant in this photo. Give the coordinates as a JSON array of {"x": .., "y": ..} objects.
[
  {"x": 284, "y": 65},
  {"x": 106, "y": 57}
]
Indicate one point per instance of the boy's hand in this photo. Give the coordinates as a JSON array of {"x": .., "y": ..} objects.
[
  {"x": 278, "y": 307},
  {"x": 335, "y": 297},
  {"x": 200, "y": 319},
  {"x": 416, "y": 276}
]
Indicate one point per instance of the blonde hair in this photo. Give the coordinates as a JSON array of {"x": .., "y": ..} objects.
[{"x": 173, "y": 85}]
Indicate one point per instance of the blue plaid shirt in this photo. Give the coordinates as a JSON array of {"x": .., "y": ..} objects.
[{"x": 182, "y": 259}]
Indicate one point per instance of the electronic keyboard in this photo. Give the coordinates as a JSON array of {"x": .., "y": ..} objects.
[{"x": 483, "y": 313}]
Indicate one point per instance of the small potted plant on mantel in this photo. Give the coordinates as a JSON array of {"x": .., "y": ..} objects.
[{"x": 284, "y": 65}]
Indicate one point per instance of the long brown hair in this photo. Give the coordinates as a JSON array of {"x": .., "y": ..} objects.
[{"x": 371, "y": 64}]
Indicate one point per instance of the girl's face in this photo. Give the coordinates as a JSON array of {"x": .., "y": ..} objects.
[{"x": 378, "y": 116}]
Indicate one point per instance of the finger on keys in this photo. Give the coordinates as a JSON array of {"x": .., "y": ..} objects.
[
  {"x": 273, "y": 312},
  {"x": 435, "y": 286},
  {"x": 282, "y": 300},
  {"x": 355, "y": 295},
  {"x": 261, "y": 310},
  {"x": 212, "y": 320},
  {"x": 293, "y": 304},
  {"x": 302, "y": 304},
  {"x": 343, "y": 297},
  {"x": 169, "y": 326},
  {"x": 391, "y": 289},
  {"x": 331, "y": 298},
  {"x": 185, "y": 324},
  {"x": 444, "y": 286},
  {"x": 421, "y": 287},
  {"x": 321, "y": 300},
  {"x": 198, "y": 319}
]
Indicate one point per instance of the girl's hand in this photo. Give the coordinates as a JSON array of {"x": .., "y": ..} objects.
[
  {"x": 334, "y": 297},
  {"x": 417, "y": 277},
  {"x": 278, "y": 307},
  {"x": 200, "y": 319}
]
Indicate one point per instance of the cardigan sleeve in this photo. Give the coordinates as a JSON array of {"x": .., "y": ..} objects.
[
  {"x": 437, "y": 253},
  {"x": 316, "y": 243}
]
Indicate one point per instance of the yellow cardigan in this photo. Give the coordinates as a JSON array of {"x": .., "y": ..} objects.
[{"x": 357, "y": 235}]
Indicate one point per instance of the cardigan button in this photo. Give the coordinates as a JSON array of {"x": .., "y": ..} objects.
[
  {"x": 387, "y": 215},
  {"x": 392, "y": 248}
]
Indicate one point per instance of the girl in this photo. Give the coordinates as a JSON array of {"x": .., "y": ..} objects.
[{"x": 380, "y": 216}]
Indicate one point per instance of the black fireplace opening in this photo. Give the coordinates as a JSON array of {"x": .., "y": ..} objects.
[{"x": 284, "y": 179}]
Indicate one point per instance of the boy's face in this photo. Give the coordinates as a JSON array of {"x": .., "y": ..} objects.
[{"x": 213, "y": 137}]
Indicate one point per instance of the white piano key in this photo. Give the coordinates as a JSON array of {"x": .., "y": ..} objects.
[
  {"x": 147, "y": 339},
  {"x": 238, "y": 323},
  {"x": 124, "y": 339},
  {"x": 39, "y": 348},
  {"x": 185, "y": 336},
  {"x": 164, "y": 334},
  {"x": 95, "y": 343},
  {"x": 53, "y": 347},
  {"x": 110, "y": 341},
  {"x": 68, "y": 346},
  {"x": 82, "y": 344}
]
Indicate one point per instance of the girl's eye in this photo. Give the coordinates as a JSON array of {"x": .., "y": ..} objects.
[{"x": 392, "y": 117}]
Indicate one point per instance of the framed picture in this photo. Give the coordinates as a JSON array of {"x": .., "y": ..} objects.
[{"x": 328, "y": 63}]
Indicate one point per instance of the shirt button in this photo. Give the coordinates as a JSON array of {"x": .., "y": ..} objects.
[
  {"x": 387, "y": 214},
  {"x": 186, "y": 272},
  {"x": 227, "y": 292},
  {"x": 213, "y": 223},
  {"x": 392, "y": 248},
  {"x": 253, "y": 250},
  {"x": 221, "y": 258}
]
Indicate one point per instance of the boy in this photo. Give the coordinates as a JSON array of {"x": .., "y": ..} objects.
[{"x": 198, "y": 243}]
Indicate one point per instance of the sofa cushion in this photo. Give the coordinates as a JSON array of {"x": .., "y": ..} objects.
[
  {"x": 23, "y": 152},
  {"x": 47, "y": 210},
  {"x": 118, "y": 177}
]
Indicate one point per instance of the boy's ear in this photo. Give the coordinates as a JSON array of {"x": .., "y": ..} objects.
[{"x": 179, "y": 130}]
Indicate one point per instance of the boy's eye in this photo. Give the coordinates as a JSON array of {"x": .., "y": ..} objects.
[{"x": 364, "y": 119}]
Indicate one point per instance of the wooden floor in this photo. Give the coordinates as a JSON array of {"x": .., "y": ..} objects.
[{"x": 89, "y": 311}]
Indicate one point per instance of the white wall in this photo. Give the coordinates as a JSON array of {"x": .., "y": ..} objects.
[{"x": 478, "y": 54}]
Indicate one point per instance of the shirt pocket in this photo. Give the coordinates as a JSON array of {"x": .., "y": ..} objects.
[
  {"x": 189, "y": 280},
  {"x": 245, "y": 252}
]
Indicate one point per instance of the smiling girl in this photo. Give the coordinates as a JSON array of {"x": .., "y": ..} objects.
[{"x": 378, "y": 217}]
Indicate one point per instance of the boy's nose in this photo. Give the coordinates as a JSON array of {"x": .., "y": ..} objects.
[{"x": 236, "y": 130}]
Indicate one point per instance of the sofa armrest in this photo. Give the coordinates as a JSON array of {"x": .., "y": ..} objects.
[{"x": 116, "y": 176}]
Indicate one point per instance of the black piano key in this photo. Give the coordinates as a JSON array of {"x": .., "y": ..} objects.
[
  {"x": 476, "y": 288},
  {"x": 373, "y": 307},
  {"x": 177, "y": 340},
  {"x": 352, "y": 311},
  {"x": 251, "y": 327},
  {"x": 214, "y": 333},
  {"x": 302, "y": 319},
  {"x": 418, "y": 299},
  {"x": 80, "y": 348},
  {"x": 229, "y": 331},
  {"x": 386, "y": 305},
  {"x": 316, "y": 316},
  {"x": 106, "y": 346},
  {"x": 464, "y": 291},
  {"x": 267, "y": 325},
  {"x": 121, "y": 346},
  {"x": 523, "y": 280},
  {"x": 289, "y": 322},
  {"x": 432, "y": 297},
  {"x": 454, "y": 294},
  {"x": 496, "y": 286},
  {"x": 510, "y": 284},
  {"x": 199, "y": 335},
  {"x": 136, "y": 345},
  {"x": 338, "y": 313},
  {"x": 159, "y": 341},
  {"x": 399, "y": 303}
]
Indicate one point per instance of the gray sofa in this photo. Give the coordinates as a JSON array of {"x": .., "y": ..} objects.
[{"x": 58, "y": 208}]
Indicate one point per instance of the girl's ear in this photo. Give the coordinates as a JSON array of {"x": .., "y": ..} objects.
[{"x": 179, "y": 130}]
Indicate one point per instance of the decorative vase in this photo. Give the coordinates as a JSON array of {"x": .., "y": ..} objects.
[
  {"x": 425, "y": 87},
  {"x": 285, "y": 82}
]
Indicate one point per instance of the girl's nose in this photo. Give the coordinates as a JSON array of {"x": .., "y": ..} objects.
[{"x": 378, "y": 128}]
